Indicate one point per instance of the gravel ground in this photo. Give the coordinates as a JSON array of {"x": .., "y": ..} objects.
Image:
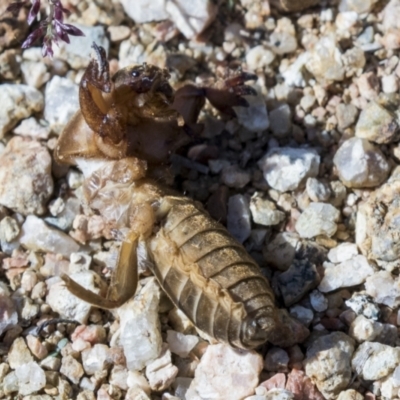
[{"x": 306, "y": 177}]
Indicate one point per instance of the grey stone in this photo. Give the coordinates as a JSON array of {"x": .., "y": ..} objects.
[
  {"x": 280, "y": 120},
  {"x": 346, "y": 115},
  {"x": 238, "y": 217}
]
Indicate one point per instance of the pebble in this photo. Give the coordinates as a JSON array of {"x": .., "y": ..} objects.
[
  {"x": 17, "y": 102},
  {"x": 90, "y": 333},
  {"x": 61, "y": 300},
  {"x": 145, "y": 10},
  {"x": 318, "y": 301},
  {"x": 61, "y": 102},
  {"x": 390, "y": 84},
  {"x": 350, "y": 394},
  {"x": 72, "y": 369},
  {"x": 259, "y": 57},
  {"x": 377, "y": 124},
  {"x": 254, "y": 116},
  {"x": 295, "y": 6},
  {"x": 373, "y": 361},
  {"x": 234, "y": 177},
  {"x": 140, "y": 334},
  {"x": 160, "y": 372},
  {"x": 348, "y": 273},
  {"x": 298, "y": 280},
  {"x": 8, "y": 311},
  {"x": 38, "y": 349},
  {"x": 303, "y": 314},
  {"x": 360, "y": 164},
  {"x": 346, "y": 115},
  {"x": 287, "y": 168},
  {"x": 96, "y": 358},
  {"x": 363, "y": 329},
  {"x": 318, "y": 219},
  {"x": 77, "y": 52},
  {"x": 328, "y": 363},
  {"x": 343, "y": 252},
  {"x": 9, "y": 65},
  {"x": 276, "y": 360},
  {"x": 280, "y": 120},
  {"x": 34, "y": 73},
  {"x": 281, "y": 250},
  {"x": 384, "y": 288},
  {"x": 318, "y": 191},
  {"x": 359, "y": 7},
  {"x": 32, "y": 128},
  {"x": 31, "y": 378},
  {"x": 181, "y": 344},
  {"x": 25, "y": 164},
  {"x": 302, "y": 387},
  {"x": 238, "y": 217},
  {"x": 391, "y": 25},
  {"x": 19, "y": 354},
  {"x": 225, "y": 372},
  {"x": 264, "y": 212},
  {"x": 9, "y": 229},
  {"x": 363, "y": 304},
  {"x": 37, "y": 236}
]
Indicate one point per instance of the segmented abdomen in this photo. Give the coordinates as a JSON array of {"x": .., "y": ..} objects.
[{"x": 210, "y": 276}]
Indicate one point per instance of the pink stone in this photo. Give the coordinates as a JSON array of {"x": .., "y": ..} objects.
[
  {"x": 36, "y": 347},
  {"x": 90, "y": 333},
  {"x": 277, "y": 381},
  {"x": 302, "y": 387}
]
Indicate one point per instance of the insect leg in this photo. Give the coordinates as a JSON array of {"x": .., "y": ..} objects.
[{"x": 123, "y": 284}]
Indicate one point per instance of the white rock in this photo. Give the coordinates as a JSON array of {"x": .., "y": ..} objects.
[
  {"x": 317, "y": 191},
  {"x": 31, "y": 378},
  {"x": 363, "y": 304},
  {"x": 383, "y": 288},
  {"x": 19, "y": 354},
  {"x": 350, "y": 394},
  {"x": 294, "y": 74},
  {"x": 38, "y": 236},
  {"x": 160, "y": 372},
  {"x": 254, "y": 117},
  {"x": 145, "y": 10},
  {"x": 181, "y": 344},
  {"x": 30, "y": 127},
  {"x": 363, "y": 329},
  {"x": 61, "y": 102},
  {"x": 35, "y": 73},
  {"x": 225, "y": 372},
  {"x": 26, "y": 183},
  {"x": 137, "y": 379},
  {"x": 8, "y": 312},
  {"x": 259, "y": 57},
  {"x": 318, "y": 219},
  {"x": 264, "y": 212},
  {"x": 390, "y": 84},
  {"x": 287, "y": 168},
  {"x": 61, "y": 300},
  {"x": 140, "y": 334},
  {"x": 17, "y": 102},
  {"x": 96, "y": 359},
  {"x": 77, "y": 52},
  {"x": 373, "y": 361},
  {"x": 119, "y": 377},
  {"x": 343, "y": 252},
  {"x": 360, "y": 7},
  {"x": 72, "y": 369},
  {"x": 238, "y": 217},
  {"x": 360, "y": 164},
  {"x": 346, "y": 274},
  {"x": 10, "y": 383}
]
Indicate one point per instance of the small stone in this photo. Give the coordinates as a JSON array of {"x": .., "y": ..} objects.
[
  {"x": 295, "y": 6},
  {"x": 38, "y": 236},
  {"x": 346, "y": 274},
  {"x": 377, "y": 124},
  {"x": 160, "y": 372},
  {"x": 234, "y": 177},
  {"x": 360, "y": 7},
  {"x": 89, "y": 333},
  {"x": 26, "y": 183},
  {"x": 17, "y": 102},
  {"x": 299, "y": 279},
  {"x": 280, "y": 251},
  {"x": 31, "y": 378},
  {"x": 363, "y": 329},
  {"x": 317, "y": 191},
  {"x": 140, "y": 334},
  {"x": 328, "y": 363},
  {"x": 318, "y": 219},
  {"x": 10, "y": 383},
  {"x": 264, "y": 212},
  {"x": 307, "y": 102},
  {"x": 30, "y": 127},
  {"x": 34, "y": 73},
  {"x": 61, "y": 300},
  {"x": 368, "y": 85},
  {"x": 95, "y": 359},
  {"x": 363, "y": 304},
  {"x": 276, "y": 360},
  {"x": 302, "y": 387},
  {"x": 281, "y": 120},
  {"x": 346, "y": 115},
  {"x": 350, "y": 394},
  {"x": 71, "y": 368},
  {"x": 51, "y": 363},
  {"x": 287, "y": 168},
  {"x": 223, "y": 370},
  {"x": 343, "y": 252},
  {"x": 61, "y": 102},
  {"x": 19, "y": 354},
  {"x": 318, "y": 301},
  {"x": 383, "y": 288},
  {"x": 390, "y": 84},
  {"x": 254, "y": 116},
  {"x": 36, "y": 347},
  {"x": 9, "y": 229},
  {"x": 259, "y": 57},
  {"x": 238, "y": 217},
  {"x": 303, "y": 314},
  {"x": 360, "y": 164},
  {"x": 77, "y": 52},
  {"x": 9, "y": 65},
  {"x": 181, "y": 344},
  {"x": 373, "y": 361}
]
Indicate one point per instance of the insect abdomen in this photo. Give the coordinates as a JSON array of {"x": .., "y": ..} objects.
[{"x": 210, "y": 276}]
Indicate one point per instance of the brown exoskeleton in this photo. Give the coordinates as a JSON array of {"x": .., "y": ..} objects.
[{"x": 125, "y": 125}]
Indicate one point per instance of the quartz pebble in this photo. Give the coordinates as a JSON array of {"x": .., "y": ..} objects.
[
  {"x": 360, "y": 164},
  {"x": 259, "y": 57},
  {"x": 95, "y": 359},
  {"x": 345, "y": 274},
  {"x": 346, "y": 115},
  {"x": 287, "y": 168},
  {"x": 254, "y": 116},
  {"x": 363, "y": 329},
  {"x": 223, "y": 370},
  {"x": 318, "y": 219},
  {"x": 19, "y": 354},
  {"x": 8, "y": 312},
  {"x": 317, "y": 191},
  {"x": 140, "y": 334},
  {"x": 61, "y": 102},
  {"x": 37, "y": 236},
  {"x": 384, "y": 288},
  {"x": 71, "y": 368},
  {"x": 35, "y": 73},
  {"x": 264, "y": 212},
  {"x": 238, "y": 218},
  {"x": 363, "y": 304},
  {"x": 343, "y": 252},
  {"x": 32, "y": 128},
  {"x": 350, "y": 394},
  {"x": 25, "y": 176},
  {"x": 17, "y": 102},
  {"x": 181, "y": 344},
  {"x": 328, "y": 363},
  {"x": 31, "y": 378}
]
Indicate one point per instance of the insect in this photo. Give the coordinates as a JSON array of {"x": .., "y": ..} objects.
[{"x": 127, "y": 127}]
